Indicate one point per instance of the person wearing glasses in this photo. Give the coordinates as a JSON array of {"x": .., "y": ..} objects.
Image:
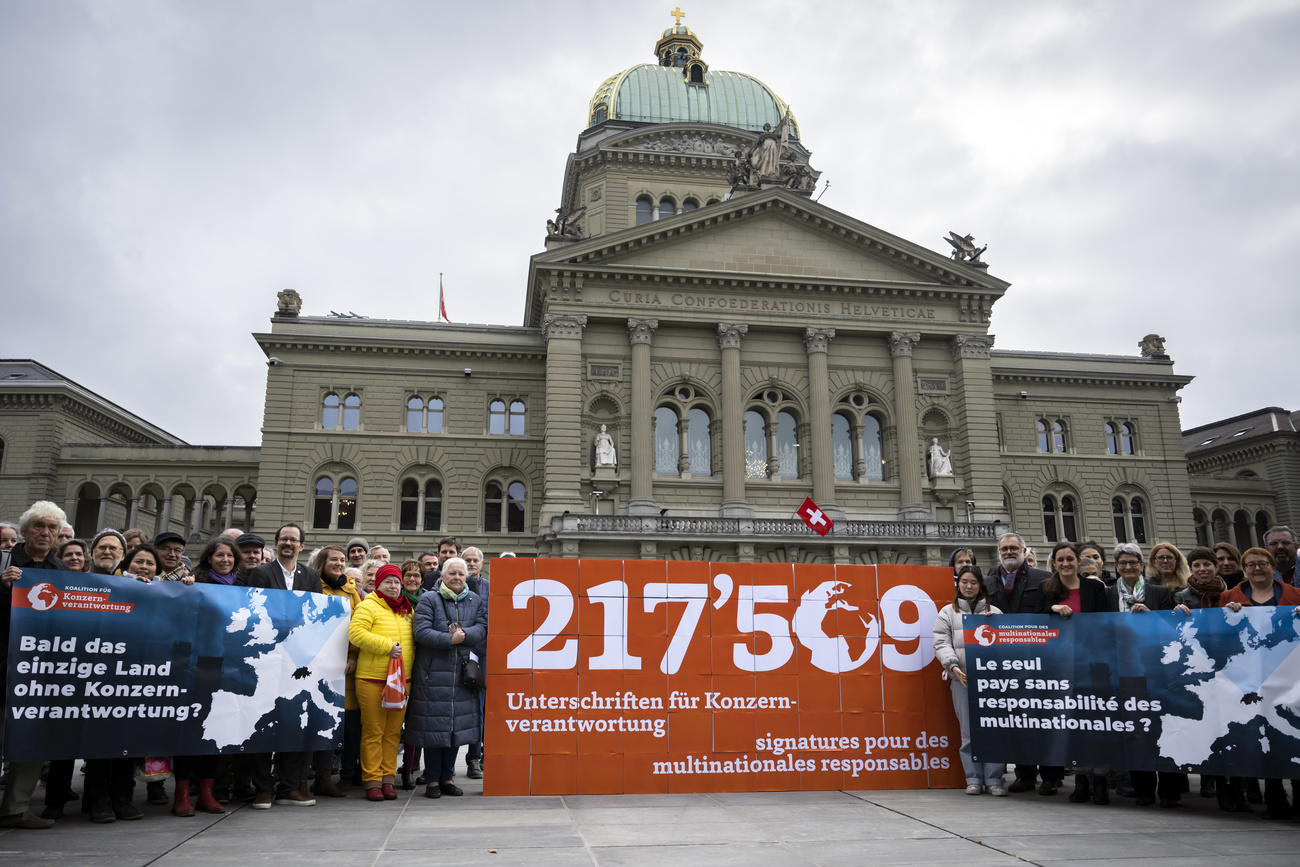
[
  {"x": 1262, "y": 588},
  {"x": 1167, "y": 567}
]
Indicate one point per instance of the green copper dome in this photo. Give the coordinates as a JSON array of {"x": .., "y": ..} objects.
[{"x": 681, "y": 88}]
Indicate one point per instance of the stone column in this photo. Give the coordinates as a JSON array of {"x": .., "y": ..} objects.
[
  {"x": 229, "y": 512},
  {"x": 102, "y": 518},
  {"x": 816, "y": 342},
  {"x": 977, "y": 418},
  {"x": 563, "y": 415},
  {"x": 911, "y": 507},
  {"x": 640, "y": 333},
  {"x": 134, "y": 512},
  {"x": 165, "y": 516},
  {"x": 734, "y": 505}
]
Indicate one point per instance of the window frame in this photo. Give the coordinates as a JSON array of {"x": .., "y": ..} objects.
[
  {"x": 344, "y": 509},
  {"x": 1129, "y": 524},
  {"x": 506, "y": 484},
  {"x": 421, "y": 500}
]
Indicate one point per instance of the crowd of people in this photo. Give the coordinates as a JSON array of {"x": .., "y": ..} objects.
[
  {"x": 1079, "y": 583},
  {"x": 431, "y": 612}
]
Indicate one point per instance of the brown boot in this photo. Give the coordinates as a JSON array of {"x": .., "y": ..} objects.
[
  {"x": 207, "y": 802},
  {"x": 325, "y": 787},
  {"x": 181, "y": 801}
]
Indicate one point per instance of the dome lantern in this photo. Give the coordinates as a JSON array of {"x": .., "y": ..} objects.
[{"x": 679, "y": 48}]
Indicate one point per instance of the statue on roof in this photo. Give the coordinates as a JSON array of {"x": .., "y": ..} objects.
[
  {"x": 964, "y": 249},
  {"x": 565, "y": 226},
  {"x": 1152, "y": 346},
  {"x": 772, "y": 144}
]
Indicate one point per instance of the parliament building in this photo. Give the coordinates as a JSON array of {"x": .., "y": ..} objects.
[{"x": 703, "y": 346}]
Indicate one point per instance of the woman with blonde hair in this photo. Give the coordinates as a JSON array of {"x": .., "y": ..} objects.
[
  {"x": 381, "y": 628},
  {"x": 1167, "y": 567}
]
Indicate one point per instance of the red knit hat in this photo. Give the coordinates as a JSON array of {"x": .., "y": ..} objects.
[{"x": 386, "y": 570}]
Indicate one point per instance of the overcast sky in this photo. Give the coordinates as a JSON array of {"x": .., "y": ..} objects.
[{"x": 167, "y": 167}]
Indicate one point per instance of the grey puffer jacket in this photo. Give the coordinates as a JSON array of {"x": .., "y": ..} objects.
[
  {"x": 950, "y": 639},
  {"x": 442, "y": 713}
]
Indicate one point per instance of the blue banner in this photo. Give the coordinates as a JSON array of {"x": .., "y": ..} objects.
[
  {"x": 1217, "y": 692},
  {"x": 104, "y": 667}
]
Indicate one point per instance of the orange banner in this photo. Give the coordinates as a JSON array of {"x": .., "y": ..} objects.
[{"x": 635, "y": 676}]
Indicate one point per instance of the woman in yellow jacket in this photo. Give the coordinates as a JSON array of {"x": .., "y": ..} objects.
[
  {"x": 331, "y": 562},
  {"x": 381, "y": 628}
]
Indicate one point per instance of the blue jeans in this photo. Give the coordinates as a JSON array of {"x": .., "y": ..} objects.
[{"x": 977, "y": 773}]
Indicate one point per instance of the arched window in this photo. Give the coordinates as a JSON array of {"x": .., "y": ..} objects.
[
  {"x": 1058, "y": 436},
  {"x": 699, "y": 442},
  {"x": 324, "y": 507},
  {"x": 755, "y": 445},
  {"x": 421, "y": 506},
  {"x": 690, "y": 205},
  {"x": 1044, "y": 442},
  {"x": 697, "y": 74},
  {"x": 1241, "y": 529},
  {"x": 351, "y": 412},
  {"x": 1112, "y": 439},
  {"x": 2, "y": 455},
  {"x": 504, "y": 505},
  {"x": 1204, "y": 534},
  {"x": 667, "y": 208},
  {"x": 497, "y": 417},
  {"x": 1127, "y": 435},
  {"x": 516, "y": 418},
  {"x": 414, "y": 415},
  {"x": 1060, "y": 518},
  {"x": 1129, "y": 516},
  {"x": 1053, "y": 436},
  {"x": 347, "y": 510},
  {"x": 644, "y": 210},
  {"x": 329, "y": 413},
  {"x": 602, "y": 114},
  {"x": 842, "y": 448},
  {"x": 787, "y": 446},
  {"x": 873, "y": 449},
  {"x": 435, "y": 415},
  {"x": 666, "y": 441}
]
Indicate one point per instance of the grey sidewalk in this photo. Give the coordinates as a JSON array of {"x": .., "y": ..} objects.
[{"x": 786, "y": 828}]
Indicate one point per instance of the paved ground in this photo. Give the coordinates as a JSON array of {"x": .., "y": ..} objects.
[{"x": 782, "y": 828}]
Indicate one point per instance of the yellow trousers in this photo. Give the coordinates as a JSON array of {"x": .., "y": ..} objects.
[{"x": 381, "y": 730}]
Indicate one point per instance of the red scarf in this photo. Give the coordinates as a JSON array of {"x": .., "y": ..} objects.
[{"x": 401, "y": 605}]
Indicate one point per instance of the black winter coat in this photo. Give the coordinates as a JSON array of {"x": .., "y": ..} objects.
[
  {"x": 1093, "y": 596},
  {"x": 1024, "y": 593},
  {"x": 442, "y": 713},
  {"x": 1155, "y": 597}
]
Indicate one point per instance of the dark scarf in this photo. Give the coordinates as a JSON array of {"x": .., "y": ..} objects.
[
  {"x": 1208, "y": 591},
  {"x": 333, "y": 583},
  {"x": 401, "y": 605}
]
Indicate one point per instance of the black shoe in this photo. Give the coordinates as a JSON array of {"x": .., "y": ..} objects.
[
  {"x": 474, "y": 769},
  {"x": 433, "y": 792},
  {"x": 1021, "y": 785},
  {"x": 1253, "y": 793},
  {"x": 450, "y": 789},
  {"x": 126, "y": 811},
  {"x": 407, "y": 785},
  {"x": 101, "y": 812},
  {"x": 156, "y": 794},
  {"x": 1048, "y": 787},
  {"x": 1100, "y": 796},
  {"x": 1081, "y": 792},
  {"x": 1276, "y": 811},
  {"x": 421, "y": 781},
  {"x": 52, "y": 811}
]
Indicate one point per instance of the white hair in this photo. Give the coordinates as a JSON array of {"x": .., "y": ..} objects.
[
  {"x": 446, "y": 564},
  {"x": 477, "y": 551},
  {"x": 42, "y": 510}
]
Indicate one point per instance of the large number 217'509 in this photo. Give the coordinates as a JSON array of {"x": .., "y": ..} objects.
[{"x": 827, "y": 653}]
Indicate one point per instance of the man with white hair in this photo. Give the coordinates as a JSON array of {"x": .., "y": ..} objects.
[
  {"x": 476, "y": 582},
  {"x": 380, "y": 553},
  {"x": 1014, "y": 589},
  {"x": 39, "y": 528},
  {"x": 66, "y": 533}
]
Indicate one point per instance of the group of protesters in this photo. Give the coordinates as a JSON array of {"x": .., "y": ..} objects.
[
  {"x": 430, "y": 612},
  {"x": 1078, "y": 582}
]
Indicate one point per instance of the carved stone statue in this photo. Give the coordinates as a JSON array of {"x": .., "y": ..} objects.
[
  {"x": 565, "y": 226},
  {"x": 798, "y": 177},
  {"x": 605, "y": 456},
  {"x": 964, "y": 249},
  {"x": 1153, "y": 346},
  {"x": 288, "y": 303},
  {"x": 765, "y": 159},
  {"x": 940, "y": 461}
]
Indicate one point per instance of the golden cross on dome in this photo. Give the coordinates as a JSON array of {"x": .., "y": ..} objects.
[{"x": 679, "y": 15}]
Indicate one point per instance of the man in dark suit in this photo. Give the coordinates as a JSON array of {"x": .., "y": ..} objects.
[
  {"x": 1014, "y": 589},
  {"x": 286, "y": 573}
]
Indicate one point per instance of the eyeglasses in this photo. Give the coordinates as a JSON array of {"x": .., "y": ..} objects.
[
  {"x": 1165, "y": 558},
  {"x": 1128, "y": 564},
  {"x": 1257, "y": 566}
]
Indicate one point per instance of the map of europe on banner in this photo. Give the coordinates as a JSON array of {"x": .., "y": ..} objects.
[
  {"x": 1217, "y": 692},
  {"x": 102, "y": 666}
]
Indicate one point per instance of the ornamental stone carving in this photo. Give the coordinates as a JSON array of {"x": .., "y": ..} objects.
[
  {"x": 288, "y": 303},
  {"x": 564, "y": 325},
  {"x": 688, "y": 143},
  {"x": 901, "y": 342},
  {"x": 730, "y": 334},
  {"x": 1152, "y": 346},
  {"x": 971, "y": 345},
  {"x": 817, "y": 339},
  {"x": 641, "y": 330}
]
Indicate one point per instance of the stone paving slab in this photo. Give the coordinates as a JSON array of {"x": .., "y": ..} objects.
[{"x": 791, "y": 828}]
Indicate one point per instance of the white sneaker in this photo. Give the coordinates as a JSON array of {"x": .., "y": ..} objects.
[
  {"x": 975, "y": 790},
  {"x": 997, "y": 791}
]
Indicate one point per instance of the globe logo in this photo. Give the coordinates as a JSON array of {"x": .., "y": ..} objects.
[
  {"x": 42, "y": 597},
  {"x": 832, "y": 653},
  {"x": 985, "y": 635}
]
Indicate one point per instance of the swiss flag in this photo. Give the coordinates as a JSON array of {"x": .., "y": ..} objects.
[{"x": 815, "y": 518}]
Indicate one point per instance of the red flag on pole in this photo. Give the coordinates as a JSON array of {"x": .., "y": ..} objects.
[
  {"x": 442, "y": 301},
  {"x": 815, "y": 518}
]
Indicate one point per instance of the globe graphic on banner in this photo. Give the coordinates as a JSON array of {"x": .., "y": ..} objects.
[{"x": 42, "y": 597}]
